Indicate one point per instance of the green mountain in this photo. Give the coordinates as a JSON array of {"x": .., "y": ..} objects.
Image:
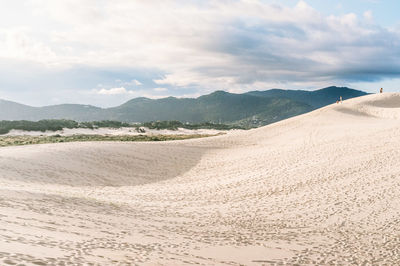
[
  {"x": 316, "y": 99},
  {"x": 248, "y": 109},
  {"x": 217, "y": 107},
  {"x": 15, "y": 111}
]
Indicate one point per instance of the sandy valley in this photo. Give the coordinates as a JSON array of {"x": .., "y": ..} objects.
[{"x": 321, "y": 188}]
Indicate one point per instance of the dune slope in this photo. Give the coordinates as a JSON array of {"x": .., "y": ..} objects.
[{"x": 321, "y": 188}]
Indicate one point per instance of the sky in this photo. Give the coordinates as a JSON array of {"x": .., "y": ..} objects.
[{"x": 106, "y": 52}]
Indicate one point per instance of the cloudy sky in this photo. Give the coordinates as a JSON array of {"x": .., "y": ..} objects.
[{"x": 105, "y": 52}]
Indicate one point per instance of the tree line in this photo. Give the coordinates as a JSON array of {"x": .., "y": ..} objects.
[{"x": 58, "y": 124}]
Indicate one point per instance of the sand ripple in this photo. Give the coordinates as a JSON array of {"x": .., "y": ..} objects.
[{"x": 322, "y": 188}]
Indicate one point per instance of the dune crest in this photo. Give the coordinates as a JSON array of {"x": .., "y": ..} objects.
[
  {"x": 321, "y": 188},
  {"x": 387, "y": 105}
]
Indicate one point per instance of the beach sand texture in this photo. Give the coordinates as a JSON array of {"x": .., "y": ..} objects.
[{"x": 321, "y": 188}]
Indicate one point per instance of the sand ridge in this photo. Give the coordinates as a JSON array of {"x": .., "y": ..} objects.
[
  {"x": 130, "y": 131},
  {"x": 321, "y": 188}
]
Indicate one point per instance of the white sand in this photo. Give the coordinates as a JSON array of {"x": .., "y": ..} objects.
[
  {"x": 117, "y": 131},
  {"x": 321, "y": 188}
]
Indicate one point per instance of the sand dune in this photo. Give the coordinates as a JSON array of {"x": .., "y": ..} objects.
[
  {"x": 130, "y": 131},
  {"x": 321, "y": 188}
]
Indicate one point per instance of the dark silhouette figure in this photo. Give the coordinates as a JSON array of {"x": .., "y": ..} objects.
[{"x": 381, "y": 90}]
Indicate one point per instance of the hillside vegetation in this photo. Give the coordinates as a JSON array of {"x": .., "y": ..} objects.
[
  {"x": 55, "y": 125},
  {"x": 249, "y": 109},
  {"x": 174, "y": 125},
  {"x": 28, "y": 140}
]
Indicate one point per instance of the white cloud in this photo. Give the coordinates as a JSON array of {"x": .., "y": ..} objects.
[
  {"x": 160, "y": 89},
  {"x": 113, "y": 91},
  {"x": 209, "y": 45},
  {"x": 134, "y": 82},
  {"x": 131, "y": 93},
  {"x": 17, "y": 44},
  {"x": 368, "y": 15}
]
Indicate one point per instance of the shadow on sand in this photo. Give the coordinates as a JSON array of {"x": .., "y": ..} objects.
[{"x": 98, "y": 164}]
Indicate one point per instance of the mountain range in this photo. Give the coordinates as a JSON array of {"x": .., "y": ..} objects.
[{"x": 254, "y": 108}]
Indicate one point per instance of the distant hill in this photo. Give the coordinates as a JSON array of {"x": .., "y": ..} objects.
[
  {"x": 253, "y": 108},
  {"x": 217, "y": 107},
  {"x": 15, "y": 111},
  {"x": 316, "y": 99}
]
